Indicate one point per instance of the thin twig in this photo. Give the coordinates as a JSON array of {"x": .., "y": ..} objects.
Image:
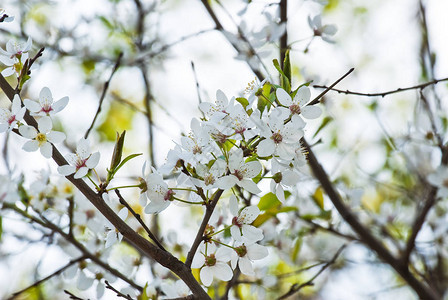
[
  {"x": 139, "y": 219},
  {"x": 57, "y": 272},
  {"x": 317, "y": 99},
  {"x": 119, "y": 294},
  {"x": 382, "y": 94},
  {"x": 103, "y": 94},
  {"x": 200, "y": 233},
  {"x": 297, "y": 287},
  {"x": 72, "y": 296},
  {"x": 198, "y": 90}
]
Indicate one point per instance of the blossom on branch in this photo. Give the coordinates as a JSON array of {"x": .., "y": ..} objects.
[
  {"x": 45, "y": 106},
  {"x": 10, "y": 118},
  {"x": 42, "y": 138},
  {"x": 81, "y": 161},
  {"x": 213, "y": 264},
  {"x": 15, "y": 55}
]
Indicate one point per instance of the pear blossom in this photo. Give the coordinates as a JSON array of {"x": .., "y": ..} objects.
[
  {"x": 15, "y": 55},
  {"x": 279, "y": 138},
  {"x": 241, "y": 173},
  {"x": 324, "y": 31},
  {"x": 113, "y": 235},
  {"x": 213, "y": 264},
  {"x": 10, "y": 118},
  {"x": 45, "y": 106},
  {"x": 297, "y": 106},
  {"x": 81, "y": 161},
  {"x": 158, "y": 193},
  {"x": 197, "y": 144},
  {"x": 244, "y": 255},
  {"x": 241, "y": 230},
  {"x": 41, "y": 139},
  {"x": 219, "y": 110},
  {"x": 252, "y": 89}
]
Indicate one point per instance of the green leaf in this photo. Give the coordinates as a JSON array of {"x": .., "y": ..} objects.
[
  {"x": 327, "y": 120},
  {"x": 318, "y": 197},
  {"x": 129, "y": 157},
  {"x": 243, "y": 101},
  {"x": 285, "y": 83},
  {"x": 118, "y": 150},
  {"x": 287, "y": 66},
  {"x": 268, "y": 201},
  {"x": 143, "y": 295}
]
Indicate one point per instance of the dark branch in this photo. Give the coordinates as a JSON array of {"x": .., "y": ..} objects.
[
  {"x": 139, "y": 219},
  {"x": 382, "y": 94}
]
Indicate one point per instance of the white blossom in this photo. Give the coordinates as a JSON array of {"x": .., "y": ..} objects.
[
  {"x": 10, "y": 118},
  {"x": 213, "y": 264},
  {"x": 41, "y": 139},
  {"x": 45, "y": 106},
  {"x": 81, "y": 161}
]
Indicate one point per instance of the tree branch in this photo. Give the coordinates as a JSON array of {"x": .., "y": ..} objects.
[
  {"x": 382, "y": 94},
  {"x": 365, "y": 235}
]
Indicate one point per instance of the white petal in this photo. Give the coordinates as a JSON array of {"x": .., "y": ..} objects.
[
  {"x": 280, "y": 193},
  {"x": 252, "y": 168},
  {"x": 81, "y": 173},
  {"x": 45, "y": 124},
  {"x": 236, "y": 233},
  {"x": 249, "y": 214},
  {"x": 283, "y": 97},
  {"x": 31, "y": 146},
  {"x": 32, "y": 106},
  {"x": 82, "y": 148},
  {"x": 60, "y": 104},
  {"x": 206, "y": 275},
  {"x": 266, "y": 147},
  {"x": 223, "y": 254},
  {"x": 45, "y": 96},
  {"x": 222, "y": 271},
  {"x": 302, "y": 96},
  {"x": 28, "y": 132},
  {"x": 123, "y": 213},
  {"x": 66, "y": 170},
  {"x": 84, "y": 282},
  {"x": 249, "y": 186},
  {"x": 233, "y": 205},
  {"x": 256, "y": 252},
  {"x": 198, "y": 261},
  {"x": 56, "y": 136},
  {"x": 8, "y": 72},
  {"x": 93, "y": 160},
  {"x": 252, "y": 233},
  {"x": 246, "y": 266},
  {"x": 46, "y": 149},
  {"x": 226, "y": 182},
  {"x": 311, "y": 112}
]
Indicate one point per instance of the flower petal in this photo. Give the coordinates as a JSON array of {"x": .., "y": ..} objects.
[
  {"x": 28, "y": 132},
  {"x": 45, "y": 124},
  {"x": 283, "y": 97},
  {"x": 311, "y": 112},
  {"x": 46, "y": 149},
  {"x": 31, "y": 146},
  {"x": 66, "y": 170},
  {"x": 93, "y": 160},
  {"x": 206, "y": 275}
]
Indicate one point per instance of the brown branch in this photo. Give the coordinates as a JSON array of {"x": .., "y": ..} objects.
[
  {"x": 119, "y": 294},
  {"x": 57, "y": 272},
  {"x": 327, "y": 89},
  {"x": 297, "y": 287},
  {"x": 364, "y": 234},
  {"x": 382, "y": 94},
  {"x": 197, "y": 241},
  {"x": 164, "y": 258},
  {"x": 284, "y": 37},
  {"x": 72, "y": 296},
  {"x": 103, "y": 94},
  {"x": 139, "y": 219}
]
